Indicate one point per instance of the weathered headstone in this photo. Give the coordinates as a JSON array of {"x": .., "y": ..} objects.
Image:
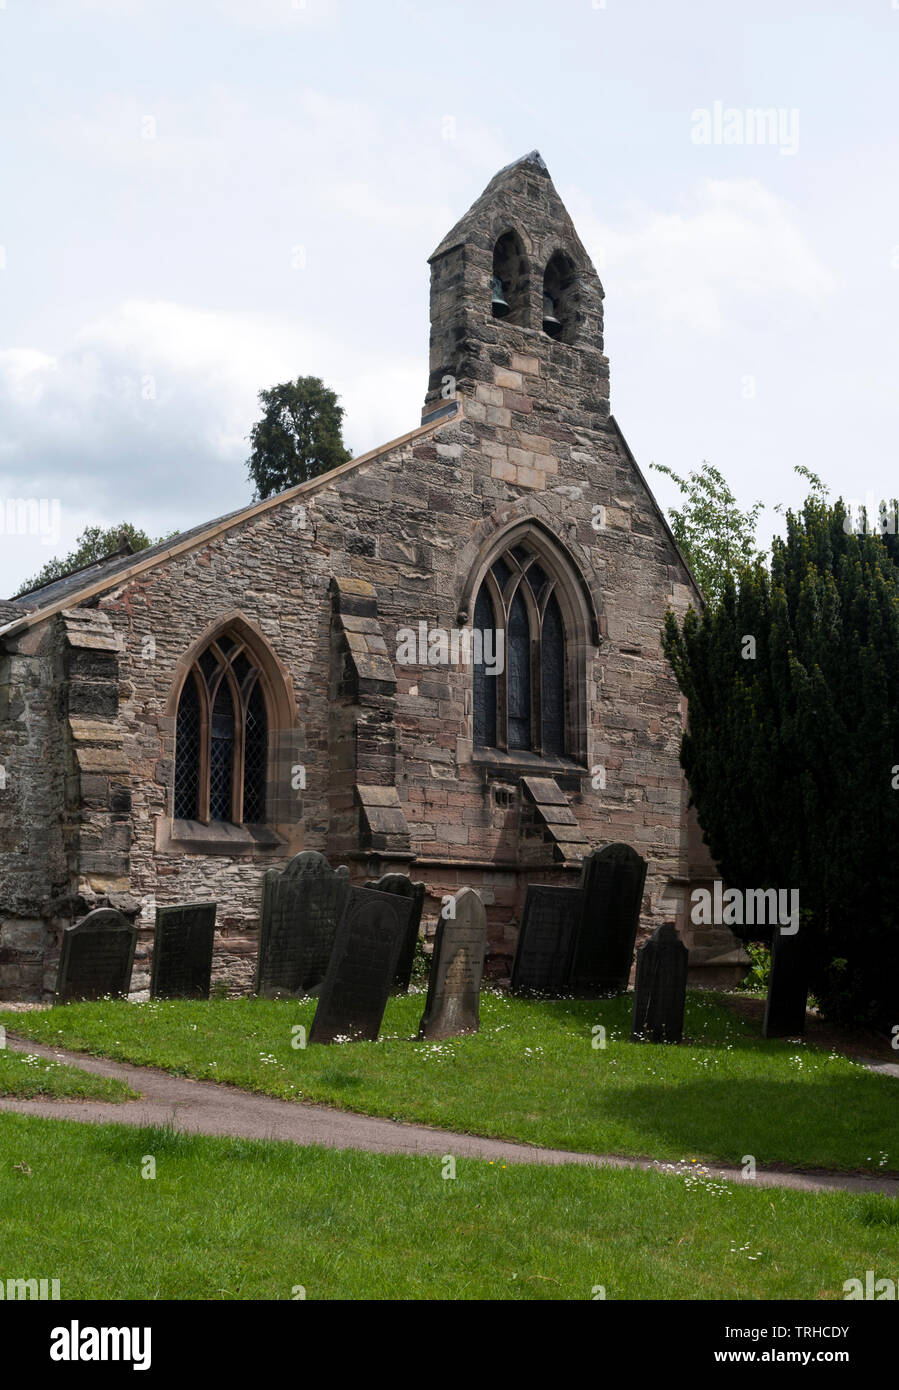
[
  {"x": 97, "y": 956},
  {"x": 182, "y": 951},
  {"x": 660, "y": 988},
  {"x": 612, "y": 882},
  {"x": 452, "y": 1004},
  {"x": 301, "y": 908},
  {"x": 787, "y": 997},
  {"x": 399, "y": 883},
  {"x": 362, "y": 968},
  {"x": 545, "y": 939}
]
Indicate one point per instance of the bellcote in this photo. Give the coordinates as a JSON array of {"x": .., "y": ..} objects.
[{"x": 513, "y": 277}]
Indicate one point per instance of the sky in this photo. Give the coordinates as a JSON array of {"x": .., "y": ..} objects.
[{"x": 201, "y": 198}]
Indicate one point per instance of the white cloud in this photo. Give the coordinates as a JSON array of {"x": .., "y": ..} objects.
[
  {"x": 145, "y": 417},
  {"x": 738, "y": 244}
]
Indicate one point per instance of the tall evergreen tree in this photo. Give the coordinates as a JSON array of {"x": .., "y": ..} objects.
[
  {"x": 792, "y": 683},
  {"x": 298, "y": 437}
]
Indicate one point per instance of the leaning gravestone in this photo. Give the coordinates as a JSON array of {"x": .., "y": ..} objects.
[
  {"x": 787, "y": 997},
  {"x": 97, "y": 956},
  {"x": 301, "y": 908},
  {"x": 612, "y": 882},
  {"x": 399, "y": 883},
  {"x": 456, "y": 968},
  {"x": 182, "y": 951},
  {"x": 660, "y": 988},
  {"x": 545, "y": 939},
  {"x": 362, "y": 968}
]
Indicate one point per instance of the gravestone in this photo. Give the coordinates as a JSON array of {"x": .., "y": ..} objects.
[
  {"x": 612, "y": 882},
  {"x": 399, "y": 883},
  {"x": 182, "y": 951},
  {"x": 545, "y": 939},
  {"x": 97, "y": 956},
  {"x": 452, "y": 1004},
  {"x": 362, "y": 969},
  {"x": 660, "y": 988},
  {"x": 301, "y": 908},
  {"x": 787, "y": 997}
]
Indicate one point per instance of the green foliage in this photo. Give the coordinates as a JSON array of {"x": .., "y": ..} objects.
[
  {"x": 298, "y": 437},
  {"x": 789, "y": 752},
  {"x": 421, "y": 963},
  {"x": 716, "y": 537},
  {"x": 757, "y": 977},
  {"x": 94, "y": 543}
]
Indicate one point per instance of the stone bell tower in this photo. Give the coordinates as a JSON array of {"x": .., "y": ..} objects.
[{"x": 513, "y": 277}]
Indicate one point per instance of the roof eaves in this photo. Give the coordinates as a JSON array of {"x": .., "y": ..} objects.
[{"x": 191, "y": 542}]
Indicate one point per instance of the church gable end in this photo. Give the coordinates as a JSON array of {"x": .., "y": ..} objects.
[{"x": 320, "y": 671}]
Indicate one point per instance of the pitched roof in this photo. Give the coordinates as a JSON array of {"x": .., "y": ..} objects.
[{"x": 18, "y": 614}]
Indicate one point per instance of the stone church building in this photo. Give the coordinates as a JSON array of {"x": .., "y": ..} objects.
[{"x": 442, "y": 658}]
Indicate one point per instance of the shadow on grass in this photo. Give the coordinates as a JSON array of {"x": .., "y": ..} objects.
[
  {"x": 798, "y": 1124},
  {"x": 706, "y": 1022}
]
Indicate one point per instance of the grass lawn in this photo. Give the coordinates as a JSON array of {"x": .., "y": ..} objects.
[
  {"x": 27, "y": 1076},
  {"x": 234, "y": 1219},
  {"x": 532, "y": 1073}
]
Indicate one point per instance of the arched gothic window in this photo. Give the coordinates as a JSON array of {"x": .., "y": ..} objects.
[
  {"x": 221, "y": 737},
  {"x": 521, "y": 704}
]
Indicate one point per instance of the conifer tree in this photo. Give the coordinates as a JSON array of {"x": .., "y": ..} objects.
[{"x": 792, "y": 750}]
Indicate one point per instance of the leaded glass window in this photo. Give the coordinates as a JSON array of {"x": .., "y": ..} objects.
[
  {"x": 523, "y": 706},
  {"x": 221, "y": 760},
  {"x": 518, "y": 657},
  {"x": 484, "y": 683},
  {"x": 187, "y": 765},
  {"x": 222, "y": 737},
  {"x": 255, "y": 758}
]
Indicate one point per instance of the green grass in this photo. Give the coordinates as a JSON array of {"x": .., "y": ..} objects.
[
  {"x": 28, "y": 1076},
  {"x": 235, "y": 1219},
  {"x": 532, "y": 1073}
]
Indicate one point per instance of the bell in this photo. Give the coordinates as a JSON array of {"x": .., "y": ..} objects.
[
  {"x": 500, "y": 306},
  {"x": 551, "y": 324}
]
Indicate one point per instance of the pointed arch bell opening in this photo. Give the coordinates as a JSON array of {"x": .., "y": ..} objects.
[
  {"x": 560, "y": 298},
  {"x": 511, "y": 284}
]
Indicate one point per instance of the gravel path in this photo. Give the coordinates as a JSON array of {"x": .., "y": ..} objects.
[{"x": 208, "y": 1107}]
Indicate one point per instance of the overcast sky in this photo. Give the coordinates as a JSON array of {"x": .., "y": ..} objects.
[{"x": 200, "y": 198}]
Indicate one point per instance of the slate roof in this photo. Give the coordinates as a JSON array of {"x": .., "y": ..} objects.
[
  {"x": 110, "y": 566},
  {"x": 103, "y": 573}
]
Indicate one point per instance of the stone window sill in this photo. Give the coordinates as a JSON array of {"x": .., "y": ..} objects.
[
  {"x": 498, "y": 763},
  {"x": 218, "y": 837}
]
